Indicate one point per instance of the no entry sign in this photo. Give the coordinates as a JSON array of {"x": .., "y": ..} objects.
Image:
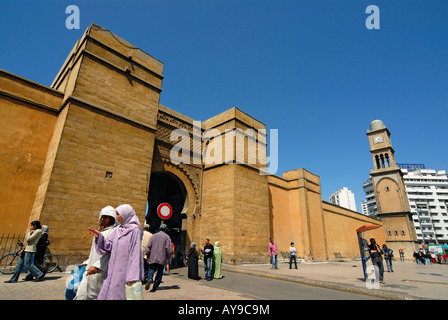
[{"x": 164, "y": 211}]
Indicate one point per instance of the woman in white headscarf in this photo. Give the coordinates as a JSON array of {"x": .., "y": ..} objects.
[
  {"x": 126, "y": 258},
  {"x": 97, "y": 264}
]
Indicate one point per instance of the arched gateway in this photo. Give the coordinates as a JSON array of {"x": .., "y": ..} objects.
[
  {"x": 179, "y": 185},
  {"x": 209, "y": 199}
]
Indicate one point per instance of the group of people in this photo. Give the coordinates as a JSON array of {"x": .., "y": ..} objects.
[
  {"x": 117, "y": 254},
  {"x": 212, "y": 261},
  {"x": 273, "y": 254},
  {"x": 376, "y": 254},
  {"x": 428, "y": 257},
  {"x": 32, "y": 253},
  {"x": 122, "y": 253},
  {"x": 116, "y": 258}
]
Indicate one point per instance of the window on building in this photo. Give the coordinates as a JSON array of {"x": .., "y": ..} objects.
[
  {"x": 387, "y": 161},
  {"x": 377, "y": 160}
]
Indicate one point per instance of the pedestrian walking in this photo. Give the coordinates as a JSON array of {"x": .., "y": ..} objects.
[
  {"x": 126, "y": 259},
  {"x": 146, "y": 236},
  {"x": 208, "y": 258},
  {"x": 377, "y": 260},
  {"x": 167, "y": 269},
  {"x": 273, "y": 253},
  {"x": 388, "y": 255},
  {"x": 217, "y": 260},
  {"x": 192, "y": 262},
  {"x": 26, "y": 257},
  {"x": 41, "y": 248},
  {"x": 97, "y": 264},
  {"x": 401, "y": 251},
  {"x": 433, "y": 257},
  {"x": 292, "y": 255},
  {"x": 158, "y": 251},
  {"x": 428, "y": 258},
  {"x": 422, "y": 257},
  {"x": 416, "y": 257}
]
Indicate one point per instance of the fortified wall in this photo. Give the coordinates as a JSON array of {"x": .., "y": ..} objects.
[
  {"x": 98, "y": 136},
  {"x": 320, "y": 230}
]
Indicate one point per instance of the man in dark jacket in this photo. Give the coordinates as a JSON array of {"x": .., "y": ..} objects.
[
  {"x": 377, "y": 260},
  {"x": 208, "y": 258}
]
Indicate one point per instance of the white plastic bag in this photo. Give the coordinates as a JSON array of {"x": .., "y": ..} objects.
[{"x": 134, "y": 291}]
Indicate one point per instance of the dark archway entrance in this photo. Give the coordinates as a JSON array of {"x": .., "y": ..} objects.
[{"x": 166, "y": 187}]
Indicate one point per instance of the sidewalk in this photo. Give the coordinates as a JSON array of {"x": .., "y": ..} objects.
[
  {"x": 174, "y": 287},
  {"x": 409, "y": 281}
]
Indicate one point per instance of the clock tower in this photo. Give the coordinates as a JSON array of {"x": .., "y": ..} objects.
[{"x": 390, "y": 192}]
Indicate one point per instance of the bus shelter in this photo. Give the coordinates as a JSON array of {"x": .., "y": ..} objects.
[{"x": 364, "y": 245}]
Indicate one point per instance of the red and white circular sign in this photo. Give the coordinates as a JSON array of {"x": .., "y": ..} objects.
[{"x": 164, "y": 211}]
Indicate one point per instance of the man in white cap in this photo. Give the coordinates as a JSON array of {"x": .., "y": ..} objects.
[{"x": 96, "y": 264}]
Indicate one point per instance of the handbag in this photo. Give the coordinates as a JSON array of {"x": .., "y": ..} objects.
[{"x": 134, "y": 291}]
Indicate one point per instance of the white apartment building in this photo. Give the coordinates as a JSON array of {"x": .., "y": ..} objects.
[
  {"x": 344, "y": 198},
  {"x": 427, "y": 191},
  {"x": 368, "y": 206}
]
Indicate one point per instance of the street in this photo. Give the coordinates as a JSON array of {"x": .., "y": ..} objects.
[{"x": 260, "y": 288}]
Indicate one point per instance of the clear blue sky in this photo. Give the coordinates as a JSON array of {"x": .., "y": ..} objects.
[{"x": 310, "y": 69}]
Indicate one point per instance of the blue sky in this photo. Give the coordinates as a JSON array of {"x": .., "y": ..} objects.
[{"x": 310, "y": 69}]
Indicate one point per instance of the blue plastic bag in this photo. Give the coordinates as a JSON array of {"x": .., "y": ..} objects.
[{"x": 73, "y": 282}]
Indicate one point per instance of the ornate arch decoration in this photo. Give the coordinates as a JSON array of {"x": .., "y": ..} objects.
[{"x": 191, "y": 178}]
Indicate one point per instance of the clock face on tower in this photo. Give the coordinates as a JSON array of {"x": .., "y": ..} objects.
[{"x": 378, "y": 139}]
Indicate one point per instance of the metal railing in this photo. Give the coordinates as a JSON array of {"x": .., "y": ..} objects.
[{"x": 8, "y": 243}]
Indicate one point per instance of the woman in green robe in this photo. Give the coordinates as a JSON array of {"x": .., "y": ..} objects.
[{"x": 217, "y": 260}]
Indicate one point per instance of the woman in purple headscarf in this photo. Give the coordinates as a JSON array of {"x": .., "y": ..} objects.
[{"x": 125, "y": 248}]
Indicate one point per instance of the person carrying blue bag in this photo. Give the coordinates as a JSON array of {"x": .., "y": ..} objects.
[
  {"x": 388, "y": 255},
  {"x": 97, "y": 264},
  {"x": 73, "y": 282}
]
